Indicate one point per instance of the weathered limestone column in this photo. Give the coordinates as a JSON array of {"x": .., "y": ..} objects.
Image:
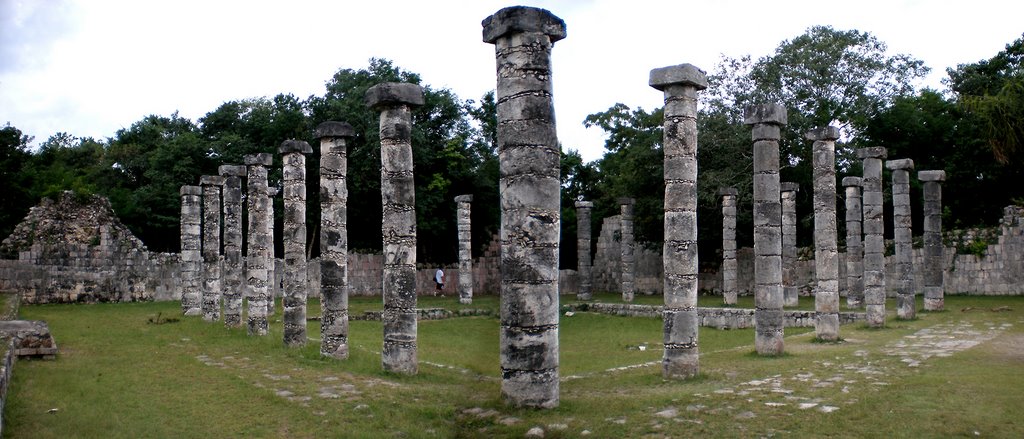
[
  {"x": 874, "y": 242},
  {"x": 529, "y": 185},
  {"x": 680, "y": 84},
  {"x": 395, "y": 102},
  {"x": 233, "y": 270},
  {"x": 210, "y": 302},
  {"x": 854, "y": 244},
  {"x": 790, "y": 294},
  {"x": 191, "y": 249},
  {"x": 259, "y": 253},
  {"x": 826, "y": 241},
  {"x": 584, "y": 263},
  {"x": 729, "y": 288},
  {"x": 934, "y": 292},
  {"x": 906, "y": 307},
  {"x": 626, "y": 245},
  {"x": 274, "y": 280},
  {"x": 294, "y": 236},
  {"x": 465, "y": 283},
  {"x": 767, "y": 121},
  {"x": 334, "y": 238}
]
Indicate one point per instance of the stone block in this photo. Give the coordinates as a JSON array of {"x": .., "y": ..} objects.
[
  {"x": 262, "y": 159},
  {"x": 389, "y": 94},
  {"x": 334, "y": 129},
  {"x": 851, "y": 181},
  {"x": 875, "y": 152},
  {"x": 294, "y": 146},
  {"x": 765, "y": 113},
  {"x": 682, "y": 74},
  {"x": 211, "y": 180},
  {"x": 899, "y": 164},
  {"x": 931, "y": 175},
  {"x": 522, "y": 19},
  {"x": 829, "y": 133},
  {"x": 231, "y": 170}
]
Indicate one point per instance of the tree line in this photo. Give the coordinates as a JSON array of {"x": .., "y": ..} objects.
[{"x": 974, "y": 131}]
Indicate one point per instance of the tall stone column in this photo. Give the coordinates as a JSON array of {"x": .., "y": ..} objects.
[
  {"x": 826, "y": 241},
  {"x": 191, "y": 249},
  {"x": 680, "y": 84},
  {"x": 934, "y": 292},
  {"x": 729, "y": 269},
  {"x": 334, "y": 238},
  {"x": 210, "y": 302},
  {"x": 790, "y": 294},
  {"x": 395, "y": 102},
  {"x": 767, "y": 121},
  {"x": 274, "y": 279},
  {"x": 854, "y": 244},
  {"x": 906, "y": 307},
  {"x": 259, "y": 253},
  {"x": 294, "y": 235},
  {"x": 584, "y": 264},
  {"x": 233, "y": 271},
  {"x": 874, "y": 241},
  {"x": 465, "y": 283},
  {"x": 529, "y": 185},
  {"x": 627, "y": 259}
]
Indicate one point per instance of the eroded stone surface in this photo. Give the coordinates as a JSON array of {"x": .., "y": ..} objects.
[
  {"x": 906, "y": 308},
  {"x": 334, "y": 238},
  {"x": 294, "y": 237},
  {"x": 528, "y": 155},
  {"x": 874, "y": 228},
  {"x": 826, "y": 245},
  {"x": 260, "y": 244}
]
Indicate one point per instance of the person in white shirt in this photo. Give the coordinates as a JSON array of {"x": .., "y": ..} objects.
[{"x": 439, "y": 280}]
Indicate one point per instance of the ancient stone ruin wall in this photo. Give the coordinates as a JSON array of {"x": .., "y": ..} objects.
[
  {"x": 76, "y": 250},
  {"x": 993, "y": 269},
  {"x": 607, "y": 270}
]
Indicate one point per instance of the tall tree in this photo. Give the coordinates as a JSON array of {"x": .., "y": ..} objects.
[{"x": 15, "y": 197}]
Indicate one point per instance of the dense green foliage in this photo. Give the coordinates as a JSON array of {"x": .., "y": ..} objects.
[
  {"x": 825, "y": 76},
  {"x": 142, "y": 168}
]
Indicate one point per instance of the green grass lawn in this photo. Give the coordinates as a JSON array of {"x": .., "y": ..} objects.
[{"x": 118, "y": 375}]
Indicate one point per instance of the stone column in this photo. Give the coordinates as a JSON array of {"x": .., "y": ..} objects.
[
  {"x": 191, "y": 249},
  {"x": 395, "y": 102},
  {"x": 210, "y": 302},
  {"x": 854, "y": 244},
  {"x": 274, "y": 278},
  {"x": 465, "y": 283},
  {"x": 906, "y": 308},
  {"x": 627, "y": 259},
  {"x": 334, "y": 238},
  {"x": 680, "y": 84},
  {"x": 767, "y": 121},
  {"x": 729, "y": 288},
  {"x": 583, "y": 233},
  {"x": 233, "y": 271},
  {"x": 934, "y": 292},
  {"x": 294, "y": 236},
  {"x": 826, "y": 241},
  {"x": 528, "y": 155},
  {"x": 874, "y": 241},
  {"x": 259, "y": 253},
  {"x": 790, "y": 294}
]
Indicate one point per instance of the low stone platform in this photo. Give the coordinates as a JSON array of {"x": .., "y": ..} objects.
[
  {"x": 719, "y": 318},
  {"x": 32, "y": 338},
  {"x": 430, "y": 314}
]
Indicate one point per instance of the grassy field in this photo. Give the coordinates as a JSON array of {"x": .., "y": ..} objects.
[{"x": 119, "y": 374}]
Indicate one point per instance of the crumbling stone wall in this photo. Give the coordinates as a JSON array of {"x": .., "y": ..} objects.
[{"x": 74, "y": 249}]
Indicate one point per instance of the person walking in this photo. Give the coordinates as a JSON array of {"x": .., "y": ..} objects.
[{"x": 439, "y": 281}]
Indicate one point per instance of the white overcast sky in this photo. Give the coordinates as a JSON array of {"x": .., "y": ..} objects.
[{"x": 91, "y": 67}]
